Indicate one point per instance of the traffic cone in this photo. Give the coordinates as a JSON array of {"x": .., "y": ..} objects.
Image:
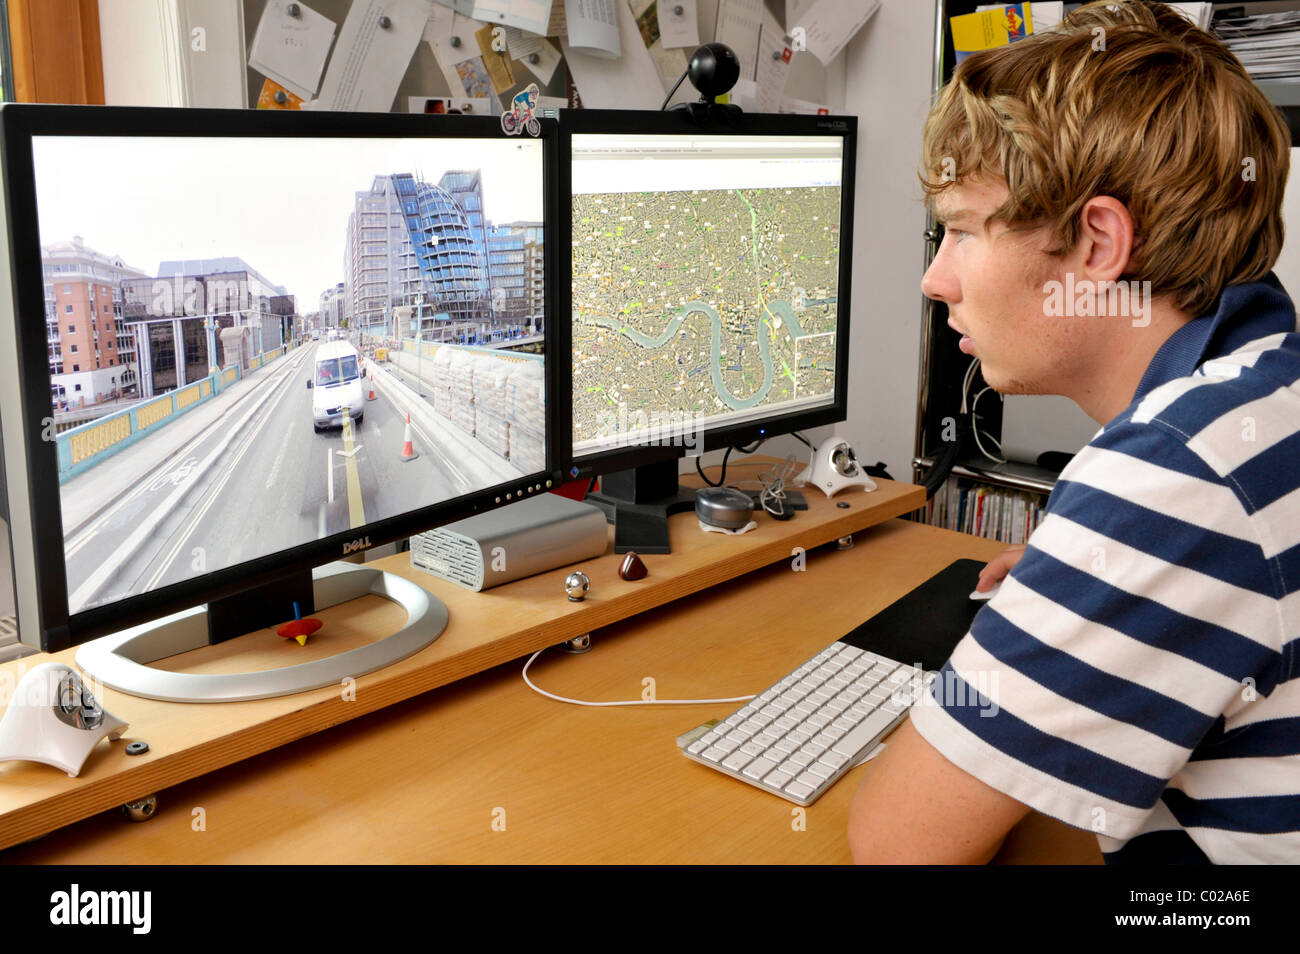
[
  {"x": 408, "y": 449},
  {"x": 372, "y": 388}
]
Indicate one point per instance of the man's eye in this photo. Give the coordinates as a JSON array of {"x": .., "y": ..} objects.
[{"x": 957, "y": 234}]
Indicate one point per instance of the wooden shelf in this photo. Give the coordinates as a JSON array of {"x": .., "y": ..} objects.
[{"x": 485, "y": 629}]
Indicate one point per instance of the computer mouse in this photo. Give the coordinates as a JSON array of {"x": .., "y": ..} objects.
[{"x": 987, "y": 594}]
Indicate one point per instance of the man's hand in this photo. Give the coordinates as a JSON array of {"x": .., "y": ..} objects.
[{"x": 997, "y": 568}]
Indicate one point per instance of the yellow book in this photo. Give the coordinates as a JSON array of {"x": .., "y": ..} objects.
[{"x": 973, "y": 32}]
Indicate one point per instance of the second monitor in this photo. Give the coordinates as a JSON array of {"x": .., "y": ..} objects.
[{"x": 708, "y": 271}]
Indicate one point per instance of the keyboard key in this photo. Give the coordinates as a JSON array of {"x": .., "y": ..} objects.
[
  {"x": 737, "y": 760},
  {"x": 758, "y": 768},
  {"x": 812, "y": 748},
  {"x": 786, "y": 746},
  {"x": 866, "y": 731},
  {"x": 832, "y": 759},
  {"x": 726, "y": 745},
  {"x": 799, "y": 789},
  {"x": 785, "y": 723},
  {"x": 802, "y": 758},
  {"x": 713, "y": 753},
  {"x": 818, "y": 720},
  {"x": 799, "y": 736},
  {"x": 753, "y": 749},
  {"x": 809, "y": 778},
  {"x": 738, "y": 737},
  {"x": 766, "y": 738},
  {"x": 777, "y": 779},
  {"x": 820, "y": 770}
]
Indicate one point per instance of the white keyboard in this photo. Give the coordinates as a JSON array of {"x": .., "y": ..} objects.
[{"x": 800, "y": 735}]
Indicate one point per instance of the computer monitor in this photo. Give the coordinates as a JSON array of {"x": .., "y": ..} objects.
[
  {"x": 707, "y": 269},
  {"x": 238, "y": 345}
]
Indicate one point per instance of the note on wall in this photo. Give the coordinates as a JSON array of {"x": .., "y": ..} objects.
[
  {"x": 826, "y": 26},
  {"x": 670, "y": 64},
  {"x": 374, "y": 49},
  {"x": 737, "y": 26},
  {"x": 492, "y": 46},
  {"x": 291, "y": 49},
  {"x": 678, "y": 24},
  {"x": 530, "y": 15},
  {"x": 593, "y": 27},
  {"x": 773, "y": 69},
  {"x": 535, "y": 53}
]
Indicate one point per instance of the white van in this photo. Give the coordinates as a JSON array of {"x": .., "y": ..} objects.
[{"x": 336, "y": 384}]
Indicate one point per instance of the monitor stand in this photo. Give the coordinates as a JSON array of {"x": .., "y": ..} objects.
[
  {"x": 120, "y": 660},
  {"x": 638, "y": 503}
]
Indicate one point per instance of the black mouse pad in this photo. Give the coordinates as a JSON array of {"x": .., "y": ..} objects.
[{"x": 926, "y": 624}]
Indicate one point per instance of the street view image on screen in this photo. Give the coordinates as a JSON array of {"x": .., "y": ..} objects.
[
  {"x": 705, "y": 274},
  {"x": 258, "y": 343}
]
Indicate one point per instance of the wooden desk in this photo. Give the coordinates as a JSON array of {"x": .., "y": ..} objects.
[{"x": 424, "y": 780}]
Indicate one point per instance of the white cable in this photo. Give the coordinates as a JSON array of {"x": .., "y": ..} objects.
[
  {"x": 976, "y": 431},
  {"x": 635, "y": 702}
]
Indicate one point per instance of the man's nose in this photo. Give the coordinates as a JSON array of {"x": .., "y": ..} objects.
[{"x": 939, "y": 281}]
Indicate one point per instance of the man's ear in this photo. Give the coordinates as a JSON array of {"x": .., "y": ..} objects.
[{"x": 1105, "y": 238}]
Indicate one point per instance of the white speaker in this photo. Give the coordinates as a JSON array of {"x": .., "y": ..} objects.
[
  {"x": 834, "y": 467},
  {"x": 54, "y": 719}
]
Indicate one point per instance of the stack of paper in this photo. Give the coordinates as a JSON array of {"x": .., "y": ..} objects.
[{"x": 1268, "y": 45}]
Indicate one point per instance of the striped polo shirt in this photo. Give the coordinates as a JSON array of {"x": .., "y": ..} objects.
[{"x": 1138, "y": 673}]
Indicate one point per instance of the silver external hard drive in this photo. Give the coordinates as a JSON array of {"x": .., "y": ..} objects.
[{"x": 532, "y": 536}]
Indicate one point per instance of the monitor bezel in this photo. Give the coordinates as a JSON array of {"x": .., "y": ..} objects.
[
  {"x": 591, "y": 464},
  {"x": 56, "y": 628}
]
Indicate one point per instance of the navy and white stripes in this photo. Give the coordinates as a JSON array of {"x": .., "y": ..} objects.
[{"x": 1146, "y": 648}]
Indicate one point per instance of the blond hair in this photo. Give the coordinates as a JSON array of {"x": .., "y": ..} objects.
[{"x": 1132, "y": 101}]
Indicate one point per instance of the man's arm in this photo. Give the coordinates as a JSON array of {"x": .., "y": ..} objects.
[{"x": 916, "y": 807}]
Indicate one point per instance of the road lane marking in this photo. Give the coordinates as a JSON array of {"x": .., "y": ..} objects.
[{"x": 356, "y": 509}]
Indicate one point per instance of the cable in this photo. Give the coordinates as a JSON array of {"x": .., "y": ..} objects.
[
  {"x": 975, "y": 430},
  {"x": 664, "y": 104},
  {"x": 722, "y": 477},
  {"x": 797, "y": 436},
  {"x": 633, "y": 702}
]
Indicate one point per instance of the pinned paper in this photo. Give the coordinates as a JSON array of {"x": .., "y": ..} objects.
[
  {"x": 678, "y": 24},
  {"x": 738, "y": 25},
  {"x": 474, "y": 77},
  {"x": 670, "y": 64},
  {"x": 275, "y": 96},
  {"x": 492, "y": 45},
  {"x": 592, "y": 26},
  {"x": 449, "y": 106},
  {"x": 524, "y": 47},
  {"x": 530, "y": 15},
  {"x": 774, "y": 56},
  {"x": 463, "y": 7},
  {"x": 825, "y": 27},
  {"x": 439, "y": 31},
  {"x": 291, "y": 50},
  {"x": 371, "y": 58}
]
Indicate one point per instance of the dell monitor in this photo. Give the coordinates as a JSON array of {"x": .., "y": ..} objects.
[
  {"x": 707, "y": 270},
  {"x": 236, "y": 346}
]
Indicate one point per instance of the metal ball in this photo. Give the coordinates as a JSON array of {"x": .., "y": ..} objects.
[{"x": 576, "y": 585}]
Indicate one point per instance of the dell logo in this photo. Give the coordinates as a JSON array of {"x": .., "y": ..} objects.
[{"x": 355, "y": 545}]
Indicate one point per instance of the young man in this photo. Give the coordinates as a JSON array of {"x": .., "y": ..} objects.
[{"x": 1111, "y": 192}]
